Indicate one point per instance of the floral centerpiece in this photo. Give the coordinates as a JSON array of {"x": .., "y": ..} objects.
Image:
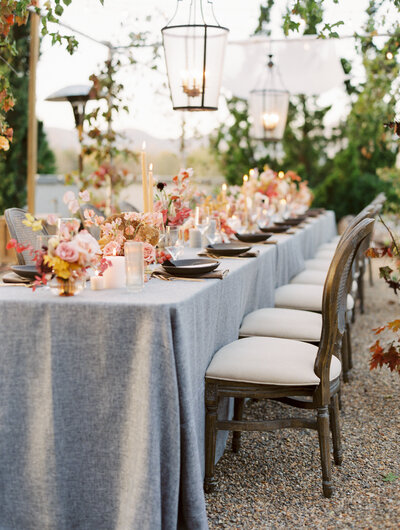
[
  {"x": 117, "y": 229},
  {"x": 174, "y": 203}
]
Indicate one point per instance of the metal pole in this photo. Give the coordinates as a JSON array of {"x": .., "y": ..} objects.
[{"x": 32, "y": 121}]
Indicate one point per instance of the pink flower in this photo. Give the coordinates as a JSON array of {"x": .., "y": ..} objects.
[
  {"x": 112, "y": 249},
  {"x": 149, "y": 253},
  {"x": 84, "y": 196},
  {"x": 67, "y": 252},
  {"x": 73, "y": 206},
  {"x": 68, "y": 197},
  {"x": 52, "y": 219}
]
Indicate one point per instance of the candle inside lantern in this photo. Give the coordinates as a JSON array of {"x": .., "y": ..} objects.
[
  {"x": 151, "y": 189},
  {"x": 144, "y": 179},
  {"x": 270, "y": 120},
  {"x": 115, "y": 276},
  {"x": 192, "y": 82}
]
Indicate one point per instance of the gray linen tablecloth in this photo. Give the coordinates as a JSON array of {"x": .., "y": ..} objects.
[{"x": 102, "y": 394}]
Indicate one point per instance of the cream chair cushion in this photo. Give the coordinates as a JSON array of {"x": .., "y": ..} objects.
[
  {"x": 325, "y": 254},
  {"x": 314, "y": 277},
  {"x": 328, "y": 246},
  {"x": 269, "y": 361},
  {"x": 303, "y": 296},
  {"x": 318, "y": 264},
  {"x": 284, "y": 323}
]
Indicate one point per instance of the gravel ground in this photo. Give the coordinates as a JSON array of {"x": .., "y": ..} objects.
[{"x": 275, "y": 480}]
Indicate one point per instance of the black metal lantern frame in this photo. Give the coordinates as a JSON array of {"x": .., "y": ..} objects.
[
  {"x": 194, "y": 55},
  {"x": 268, "y": 106}
]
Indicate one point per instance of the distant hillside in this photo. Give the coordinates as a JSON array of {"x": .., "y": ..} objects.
[{"x": 67, "y": 140}]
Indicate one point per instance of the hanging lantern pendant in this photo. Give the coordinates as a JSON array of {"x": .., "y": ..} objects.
[
  {"x": 269, "y": 106},
  {"x": 194, "y": 54}
]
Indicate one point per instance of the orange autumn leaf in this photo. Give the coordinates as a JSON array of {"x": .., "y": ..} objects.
[
  {"x": 379, "y": 330},
  {"x": 394, "y": 325}
]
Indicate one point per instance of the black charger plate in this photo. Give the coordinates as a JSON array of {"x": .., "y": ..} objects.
[
  {"x": 275, "y": 229},
  {"x": 190, "y": 267},
  {"x": 227, "y": 249},
  {"x": 25, "y": 271},
  {"x": 255, "y": 237}
]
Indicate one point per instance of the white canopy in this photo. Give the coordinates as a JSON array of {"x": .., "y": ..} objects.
[{"x": 307, "y": 65}]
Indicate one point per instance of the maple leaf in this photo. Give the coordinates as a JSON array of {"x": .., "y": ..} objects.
[{"x": 392, "y": 358}]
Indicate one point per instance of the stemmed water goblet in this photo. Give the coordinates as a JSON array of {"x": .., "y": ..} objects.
[{"x": 174, "y": 241}]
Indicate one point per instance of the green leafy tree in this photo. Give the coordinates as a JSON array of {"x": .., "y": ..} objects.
[
  {"x": 354, "y": 179},
  {"x": 13, "y": 163}
]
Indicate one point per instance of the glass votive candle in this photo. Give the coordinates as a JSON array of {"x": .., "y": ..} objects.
[{"x": 134, "y": 265}]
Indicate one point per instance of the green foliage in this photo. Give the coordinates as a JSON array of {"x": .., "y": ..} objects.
[
  {"x": 13, "y": 163},
  {"x": 232, "y": 145},
  {"x": 305, "y": 142}
]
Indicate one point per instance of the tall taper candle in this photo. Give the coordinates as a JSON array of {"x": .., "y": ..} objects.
[
  {"x": 144, "y": 179},
  {"x": 151, "y": 189}
]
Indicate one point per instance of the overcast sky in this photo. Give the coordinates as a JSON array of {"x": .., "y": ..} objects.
[{"x": 150, "y": 107}]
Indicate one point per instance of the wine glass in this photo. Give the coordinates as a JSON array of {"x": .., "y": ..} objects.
[
  {"x": 174, "y": 241},
  {"x": 214, "y": 231},
  {"x": 201, "y": 220}
]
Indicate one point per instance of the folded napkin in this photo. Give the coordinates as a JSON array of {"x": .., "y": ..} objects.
[
  {"x": 11, "y": 277},
  {"x": 164, "y": 275},
  {"x": 249, "y": 254}
]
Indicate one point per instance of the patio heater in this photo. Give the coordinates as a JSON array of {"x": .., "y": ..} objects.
[
  {"x": 194, "y": 45},
  {"x": 77, "y": 96},
  {"x": 268, "y": 106}
]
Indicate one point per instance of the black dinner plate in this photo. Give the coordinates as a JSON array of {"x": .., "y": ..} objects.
[
  {"x": 275, "y": 229},
  {"x": 190, "y": 267},
  {"x": 227, "y": 249},
  {"x": 255, "y": 237},
  {"x": 25, "y": 271},
  {"x": 291, "y": 222}
]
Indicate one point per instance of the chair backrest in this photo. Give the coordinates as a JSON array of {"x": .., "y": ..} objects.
[
  {"x": 126, "y": 206},
  {"x": 22, "y": 233},
  {"x": 334, "y": 304},
  {"x": 93, "y": 230}
]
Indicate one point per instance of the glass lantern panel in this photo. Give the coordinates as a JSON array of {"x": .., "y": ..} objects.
[
  {"x": 268, "y": 110},
  {"x": 194, "y": 57}
]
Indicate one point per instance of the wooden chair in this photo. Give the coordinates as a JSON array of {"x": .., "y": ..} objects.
[
  {"x": 293, "y": 372},
  {"x": 22, "y": 233}
]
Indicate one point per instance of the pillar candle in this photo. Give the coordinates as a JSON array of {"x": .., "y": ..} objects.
[
  {"x": 151, "y": 189},
  {"x": 144, "y": 179},
  {"x": 115, "y": 276}
]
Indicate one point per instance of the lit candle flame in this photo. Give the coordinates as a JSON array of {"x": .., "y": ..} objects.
[
  {"x": 224, "y": 187},
  {"x": 151, "y": 166},
  {"x": 270, "y": 120},
  {"x": 251, "y": 173},
  {"x": 144, "y": 146},
  {"x": 281, "y": 174},
  {"x": 245, "y": 178}
]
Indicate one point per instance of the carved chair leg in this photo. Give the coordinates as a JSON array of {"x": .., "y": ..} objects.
[
  {"x": 335, "y": 428},
  {"x": 349, "y": 348},
  {"x": 371, "y": 276},
  {"x": 340, "y": 401},
  {"x": 360, "y": 288},
  {"x": 323, "y": 436},
  {"x": 345, "y": 357},
  {"x": 237, "y": 415},
  {"x": 211, "y": 399}
]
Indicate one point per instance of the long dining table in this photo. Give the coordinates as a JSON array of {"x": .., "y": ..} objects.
[{"x": 102, "y": 394}]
